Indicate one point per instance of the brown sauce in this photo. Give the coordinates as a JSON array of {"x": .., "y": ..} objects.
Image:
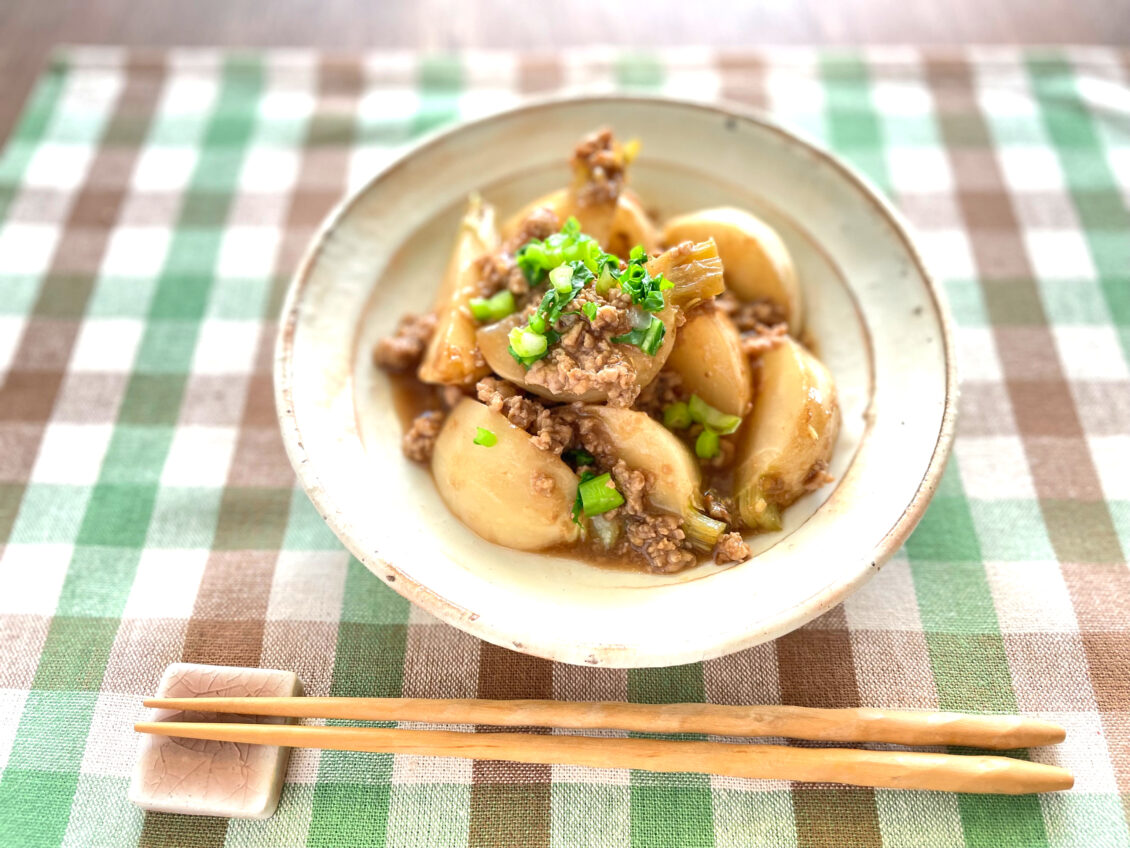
[{"x": 411, "y": 398}]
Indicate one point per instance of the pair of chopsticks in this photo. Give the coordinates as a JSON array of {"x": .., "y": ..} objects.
[{"x": 888, "y": 769}]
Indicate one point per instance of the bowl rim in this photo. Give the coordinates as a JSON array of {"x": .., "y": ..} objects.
[{"x": 459, "y": 616}]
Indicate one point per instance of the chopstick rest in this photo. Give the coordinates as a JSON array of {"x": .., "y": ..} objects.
[{"x": 211, "y": 778}]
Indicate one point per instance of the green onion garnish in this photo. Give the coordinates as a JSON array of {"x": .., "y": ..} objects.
[
  {"x": 571, "y": 259},
  {"x": 704, "y": 413},
  {"x": 677, "y": 416},
  {"x": 598, "y": 495},
  {"x": 485, "y": 437},
  {"x": 578, "y": 457},
  {"x": 526, "y": 344},
  {"x": 562, "y": 279},
  {"x": 707, "y": 445},
  {"x": 570, "y": 279},
  {"x": 645, "y": 289},
  {"x": 648, "y": 339},
  {"x": 605, "y": 281},
  {"x": 653, "y": 338},
  {"x": 494, "y": 308},
  {"x": 538, "y": 258}
]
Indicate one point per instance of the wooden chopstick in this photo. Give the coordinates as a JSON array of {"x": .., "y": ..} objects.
[
  {"x": 904, "y": 727},
  {"x": 888, "y": 769}
]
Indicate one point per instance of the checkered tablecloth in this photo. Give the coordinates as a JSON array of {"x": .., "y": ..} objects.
[{"x": 151, "y": 209}]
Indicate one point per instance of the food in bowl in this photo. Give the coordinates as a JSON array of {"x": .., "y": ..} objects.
[{"x": 591, "y": 383}]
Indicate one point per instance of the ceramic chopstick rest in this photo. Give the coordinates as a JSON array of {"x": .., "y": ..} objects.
[{"x": 212, "y": 778}]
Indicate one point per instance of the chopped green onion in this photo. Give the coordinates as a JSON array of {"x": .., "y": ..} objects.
[
  {"x": 677, "y": 416},
  {"x": 485, "y": 437},
  {"x": 532, "y": 255},
  {"x": 537, "y": 323},
  {"x": 704, "y": 413},
  {"x": 648, "y": 339},
  {"x": 644, "y": 289},
  {"x": 562, "y": 279},
  {"x": 578, "y": 457},
  {"x": 537, "y": 258},
  {"x": 653, "y": 338},
  {"x": 578, "y": 504},
  {"x": 707, "y": 445},
  {"x": 605, "y": 281},
  {"x": 493, "y": 308},
  {"x": 592, "y": 255},
  {"x": 598, "y": 495},
  {"x": 525, "y": 343},
  {"x": 589, "y": 308}
]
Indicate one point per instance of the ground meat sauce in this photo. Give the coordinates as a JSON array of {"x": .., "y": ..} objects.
[
  {"x": 543, "y": 484},
  {"x": 585, "y": 358},
  {"x": 752, "y": 316},
  {"x": 404, "y": 348},
  {"x": 761, "y": 323},
  {"x": 420, "y": 439},
  {"x": 540, "y": 223},
  {"x": 595, "y": 157},
  {"x": 499, "y": 270},
  {"x": 718, "y": 507},
  {"x": 551, "y": 428},
  {"x": 731, "y": 548}
]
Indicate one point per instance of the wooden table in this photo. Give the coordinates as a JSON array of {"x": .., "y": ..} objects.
[{"x": 30, "y": 28}]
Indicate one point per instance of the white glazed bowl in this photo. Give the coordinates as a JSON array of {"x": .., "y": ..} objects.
[{"x": 878, "y": 319}]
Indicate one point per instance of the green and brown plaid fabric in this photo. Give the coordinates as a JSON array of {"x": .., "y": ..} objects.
[{"x": 151, "y": 209}]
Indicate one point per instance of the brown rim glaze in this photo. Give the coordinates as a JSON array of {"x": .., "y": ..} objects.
[{"x": 817, "y": 603}]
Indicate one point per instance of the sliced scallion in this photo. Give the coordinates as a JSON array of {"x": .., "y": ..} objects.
[
  {"x": 704, "y": 413},
  {"x": 526, "y": 343},
  {"x": 493, "y": 308},
  {"x": 562, "y": 278},
  {"x": 707, "y": 445},
  {"x": 599, "y": 495},
  {"x": 648, "y": 338},
  {"x": 605, "y": 281},
  {"x": 485, "y": 437},
  {"x": 677, "y": 416},
  {"x": 578, "y": 457},
  {"x": 653, "y": 337}
]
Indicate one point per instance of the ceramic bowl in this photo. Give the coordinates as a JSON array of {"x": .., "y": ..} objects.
[{"x": 878, "y": 319}]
